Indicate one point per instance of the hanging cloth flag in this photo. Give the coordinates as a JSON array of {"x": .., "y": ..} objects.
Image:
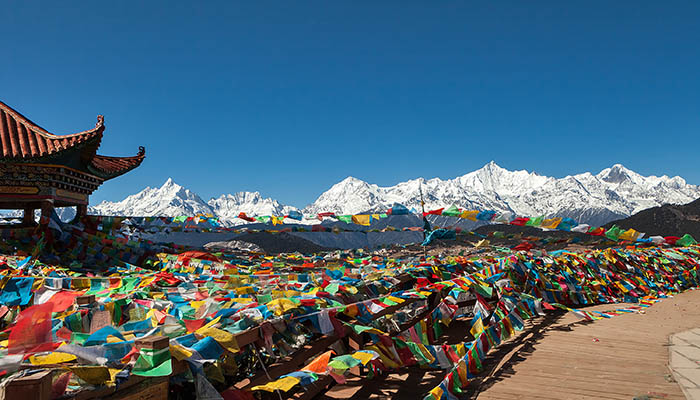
[
  {"x": 535, "y": 221},
  {"x": 398, "y": 209},
  {"x": 613, "y": 233},
  {"x": 434, "y": 212},
  {"x": 686, "y": 240},
  {"x": 345, "y": 218},
  {"x": 153, "y": 362},
  {"x": 294, "y": 214},
  {"x": 361, "y": 219},
  {"x": 320, "y": 364},
  {"x": 470, "y": 215},
  {"x": 520, "y": 221},
  {"x": 283, "y": 384},
  {"x": 581, "y": 228},
  {"x": 32, "y": 330},
  {"x": 477, "y": 328},
  {"x": 243, "y": 216},
  {"x": 597, "y": 231},
  {"x": 264, "y": 219},
  {"x": 630, "y": 235},
  {"x": 452, "y": 211},
  {"x": 17, "y": 291},
  {"x": 567, "y": 224},
  {"x": 550, "y": 223},
  {"x": 485, "y": 215}
]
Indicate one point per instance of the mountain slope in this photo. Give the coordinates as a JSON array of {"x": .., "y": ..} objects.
[
  {"x": 228, "y": 206},
  {"x": 595, "y": 199},
  {"x": 614, "y": 193},
  {"x": 666, "y": 220},
  {"x": 169, "y": 200},
  {"x": 172, "y": 200}
]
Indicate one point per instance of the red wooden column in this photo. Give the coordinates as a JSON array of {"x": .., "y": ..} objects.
[
  {"x": 28, "y": 217},
  {"x": 46, "y": 210},
  {"x": 80, "y": 211}
]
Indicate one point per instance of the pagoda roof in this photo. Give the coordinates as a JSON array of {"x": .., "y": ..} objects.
[
  {"x": 111, "y": 167},
  {"x": 23, "y": 141}
]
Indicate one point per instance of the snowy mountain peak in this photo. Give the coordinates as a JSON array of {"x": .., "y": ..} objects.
[
  {"x": 352, "y": 181},
  {"x": 491, "y": 166},
  {"x": 613, "y": 193},
  {"x": 596, "y": 199},
  {"x": 228, "y": 206},
  {"x": 170, "y": 199},
  {"x": 616, "y": 174}
]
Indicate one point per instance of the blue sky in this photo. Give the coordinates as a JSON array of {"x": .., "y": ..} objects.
[{"x": 287, "y": 98}]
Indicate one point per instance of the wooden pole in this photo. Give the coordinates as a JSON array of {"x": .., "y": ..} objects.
[
  {"x": 28, "y": 217},
  {"x": 46, "y": 210}
]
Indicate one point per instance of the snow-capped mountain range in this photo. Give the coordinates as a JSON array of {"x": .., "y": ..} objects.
[{"x": 613, "y": 193}]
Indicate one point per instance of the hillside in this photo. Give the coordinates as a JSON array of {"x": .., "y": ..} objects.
[{"x": 665, "y": 220}]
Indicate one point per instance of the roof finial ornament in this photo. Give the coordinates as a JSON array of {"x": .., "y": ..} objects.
[
  {"x": 100, "y": 121},
  {"x": 142, "y": 150}
]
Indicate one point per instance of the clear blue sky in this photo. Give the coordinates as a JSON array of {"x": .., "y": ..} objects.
[{"x": 289, "y": 97}]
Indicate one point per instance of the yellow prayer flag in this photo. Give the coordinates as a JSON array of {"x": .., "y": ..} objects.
[
  {"x": 477, "y": 328},
  {"x": 629, "y": 234},
  {"x": 196, "y": 304},
  {"x": 470, "y": 215},
  {"x": 146, "y": 281},
  {"x": 551, "y": 223},
  {"x": 482, "y": 243},
  {"x": 225, "y": 339},
  {"x": 382, "y": 351},
  {"x": 52, "y": 358},
  {"x": 283, "y": 384},
  {"x": 361, "y": 219},
  {"x": 362, "y": 356},
  {"x": 179, "y": 352},
  {"x": 436, "y": 392},
  {"x": 92, "y": 375}
]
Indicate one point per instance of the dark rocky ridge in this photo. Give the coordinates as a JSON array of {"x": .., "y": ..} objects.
[{"x": 666, "y": 220}]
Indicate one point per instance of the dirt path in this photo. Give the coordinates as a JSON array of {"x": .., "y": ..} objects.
[
  {"x": 624, "y": 357},
  {"x": 562, "y": 357}
]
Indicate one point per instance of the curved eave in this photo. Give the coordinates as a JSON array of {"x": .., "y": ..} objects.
[
  {"x": 21, "y": 140},
  {"x": 107, "y": 167}
]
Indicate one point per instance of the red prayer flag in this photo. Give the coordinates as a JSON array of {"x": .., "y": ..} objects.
[
  {"x": 33, "y": 329},
  {"x": 193, "y": 324},
  {"x": 520, "y": 221},
  {"x": 62, "y": 300}
]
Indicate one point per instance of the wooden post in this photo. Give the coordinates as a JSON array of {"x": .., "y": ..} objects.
[
  {"x": 153, "y": 342},
  {"x": 35, "y": 386},
  {"x": 28, "y": 217},
  {"x": 46, "y": 210},
  {"x": 85, "y": 300},
  {"x": 80, "y": 211}
]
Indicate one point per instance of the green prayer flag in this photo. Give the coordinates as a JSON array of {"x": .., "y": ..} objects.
[
  {"x": 345, "y": 218},
  {"x": 452, "y": 211},
  {"x": 332, "y": 288},
  {"x": 613, "y": 233},
  {"x": 420, "y": 357},
  {"x": 535, "y": 221},
  {"x": 686, "y": 240},
  {"x": 474, "y": 357},
  {"x": 153, "y": 362}
]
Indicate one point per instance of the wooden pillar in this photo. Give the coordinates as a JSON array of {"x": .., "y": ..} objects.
[
  {"x": 28, "y": 217},
  {"x": 46, "y": 210},
  {"x": 81, "y": 211}
]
